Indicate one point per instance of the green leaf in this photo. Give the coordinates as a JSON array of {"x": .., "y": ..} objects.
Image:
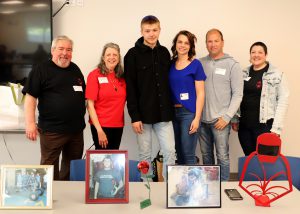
[{"x": 145, "y": 203}]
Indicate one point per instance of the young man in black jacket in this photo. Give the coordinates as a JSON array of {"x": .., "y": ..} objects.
[{"x": 149, "y": 105}]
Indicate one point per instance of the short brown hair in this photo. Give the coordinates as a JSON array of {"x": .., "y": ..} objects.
[
  {"x": 214, "y": 30},
  {"x": 261, "y": 44},
  {"x": 150, "y": 19}
]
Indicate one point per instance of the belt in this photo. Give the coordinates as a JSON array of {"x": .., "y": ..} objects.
[{"x": 178, "y": 106}]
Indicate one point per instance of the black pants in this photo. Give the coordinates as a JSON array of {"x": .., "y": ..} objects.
[
  {"x": 53, "y": 144},
  {"x": 248, "y": 135},
  {"x": 114, "y": 136}
]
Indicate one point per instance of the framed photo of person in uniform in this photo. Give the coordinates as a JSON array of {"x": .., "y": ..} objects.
[
  {"x": 106, "y": 176},
  {"x": 193, "y": 186},
  {"x": 26, "y": 187}
]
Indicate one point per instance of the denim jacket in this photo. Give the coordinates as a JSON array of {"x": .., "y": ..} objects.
[{"x": 274, "y": 97}]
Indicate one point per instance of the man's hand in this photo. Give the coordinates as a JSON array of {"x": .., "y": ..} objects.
[
  {"x": 31, "y": 131},
  {"x": 137, "y": 127},
  {"x": 220, "y": 124}
]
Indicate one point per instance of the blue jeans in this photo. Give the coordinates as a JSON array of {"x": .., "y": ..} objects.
[
  {"x": 185, "y": 143},
  {"x": 209, "y": 137},
  {"x": 165, "y": 136}
]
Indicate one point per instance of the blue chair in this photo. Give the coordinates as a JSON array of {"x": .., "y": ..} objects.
[
  {"x": 134, "y": 173},
  {"x": 77, "y": 170},
  {"x": 271, "y": 169}
]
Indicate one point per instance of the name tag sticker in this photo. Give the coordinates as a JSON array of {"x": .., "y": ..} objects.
[
  {"x": 77, "y": 88},
  {"x": 184, "y": 96},
  {"x": 247, "y": 79},
  {"x": 220, "y": 71},
  {"x": 102, "y": 80}
]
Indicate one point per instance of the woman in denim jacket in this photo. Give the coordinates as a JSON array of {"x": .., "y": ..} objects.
[{"x": 265, "y": 99}]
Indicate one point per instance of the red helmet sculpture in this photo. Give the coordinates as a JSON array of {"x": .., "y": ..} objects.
[{"x": 268, "y": 150}]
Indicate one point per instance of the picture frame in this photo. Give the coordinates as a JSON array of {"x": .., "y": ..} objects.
[
  {"x": 193, "y": 186},
  {"x": 107, "y": 179},
  {"x": 26, "y": 187}
]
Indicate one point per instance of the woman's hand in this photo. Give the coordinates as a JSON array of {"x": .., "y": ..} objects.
[
  {"x": 235, "y": 126},
  {"x": 194, "y": 126},
  {"x": 102, "y": 138}
]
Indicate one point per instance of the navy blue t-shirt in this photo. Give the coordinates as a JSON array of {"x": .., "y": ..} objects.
[
  {"x": 107, "y": 180},
  {"x": 182, "y": 84}
]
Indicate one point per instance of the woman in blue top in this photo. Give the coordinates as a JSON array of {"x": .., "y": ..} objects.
[{"x": 187, "y": 90}]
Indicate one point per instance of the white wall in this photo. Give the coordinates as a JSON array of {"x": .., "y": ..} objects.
[{"x": 92, "y": 23}]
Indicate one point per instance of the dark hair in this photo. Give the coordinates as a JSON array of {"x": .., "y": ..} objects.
[
  {"x": 261, "y": 44},
  {"x": 214, "y": 30},
  {"x": 192, "y": 39},
  {"x": 150, "y": 19},
  {"x": 108, "y": 157},
  {"x": 102, "y": 66}
]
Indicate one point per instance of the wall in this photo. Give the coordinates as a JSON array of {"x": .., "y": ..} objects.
[{"x": 92, "y": 23}]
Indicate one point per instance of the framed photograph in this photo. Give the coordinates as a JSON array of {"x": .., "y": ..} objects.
[
  {"x": 106, "y": 176},
  {"x": 193, "y": 186},
  {"x": 26, "y": 186}
]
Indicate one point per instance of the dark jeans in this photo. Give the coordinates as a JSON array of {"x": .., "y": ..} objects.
[
  {"x": 114, "y": 136},
  {"x": 248, "y": 135},
  {"x": 185, "y": 143},
  {"x": 53, "y": 144}
]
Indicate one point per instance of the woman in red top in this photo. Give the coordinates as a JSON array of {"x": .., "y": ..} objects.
[{"x": 106, "y": 96}]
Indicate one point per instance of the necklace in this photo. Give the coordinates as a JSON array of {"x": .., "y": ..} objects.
[{"x": 113, "y": 82}]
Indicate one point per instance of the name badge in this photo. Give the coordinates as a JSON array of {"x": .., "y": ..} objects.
[
  {"x": 184, "y": 96},
  {"x": 102, "y": 80},
  {"x": 77, "y": 88},
  {"x": 220, "y": 71},
  {"x": 247, "y": 79}
]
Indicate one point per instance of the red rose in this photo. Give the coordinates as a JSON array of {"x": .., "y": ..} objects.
[{"x": 143, "y": 167}]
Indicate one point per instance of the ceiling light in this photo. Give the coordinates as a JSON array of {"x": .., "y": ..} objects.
[
  {"x": 7, "y": 12},
  {"x": 39, "y": 5},
  {"x": 12, "y": 2}
]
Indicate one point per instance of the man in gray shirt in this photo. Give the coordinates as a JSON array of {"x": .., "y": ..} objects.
[{"x": 224, "y": 92}]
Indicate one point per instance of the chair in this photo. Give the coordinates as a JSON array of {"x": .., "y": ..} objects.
[
  {"x": 134, "y": 173},
  {"x": 77, "y": 170},
  {"x": 271, "y": 169}
]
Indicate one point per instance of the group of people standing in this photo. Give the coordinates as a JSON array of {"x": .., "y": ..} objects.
[{"x": 179, "y": 98}]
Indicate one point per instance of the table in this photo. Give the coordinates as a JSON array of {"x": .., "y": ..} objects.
[{"x": 69, "y": 198}]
